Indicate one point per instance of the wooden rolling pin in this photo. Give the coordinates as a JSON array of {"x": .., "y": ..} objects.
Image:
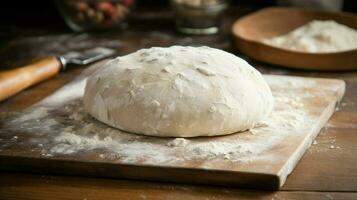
[{"x": 16, "y": 80}]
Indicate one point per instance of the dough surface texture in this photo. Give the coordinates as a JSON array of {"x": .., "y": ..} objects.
[{"x": 178, "y": 92}]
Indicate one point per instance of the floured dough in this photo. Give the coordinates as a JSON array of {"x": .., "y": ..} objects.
[{"x": 178, "y": 92}]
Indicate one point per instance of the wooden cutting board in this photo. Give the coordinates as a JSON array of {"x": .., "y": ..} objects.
[{"x": 57, "y": 136}]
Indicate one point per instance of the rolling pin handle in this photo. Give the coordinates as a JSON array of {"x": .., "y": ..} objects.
[{"x": 16, "y": 80}]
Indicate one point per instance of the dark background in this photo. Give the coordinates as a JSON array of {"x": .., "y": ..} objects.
[{"x": 43, "y": 13}]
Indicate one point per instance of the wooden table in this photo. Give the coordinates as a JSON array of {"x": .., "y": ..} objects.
[{"x": 327, "y": 171}]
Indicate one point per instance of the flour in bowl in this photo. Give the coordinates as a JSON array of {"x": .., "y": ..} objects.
[{"x": 317, "y": 36}]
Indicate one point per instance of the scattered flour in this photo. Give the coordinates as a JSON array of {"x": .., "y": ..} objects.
[
  {"x": 325, "y": 143},
  {"x": 74, "y": 131},
  {"x": 76, "y": 116},
  {"x": 178, "y": 142},
  {"x": 317, "y": 37},
  {"x": 33, "y": 114}
]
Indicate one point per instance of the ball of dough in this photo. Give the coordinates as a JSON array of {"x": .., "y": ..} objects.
[{"x": 178, "y": 92}]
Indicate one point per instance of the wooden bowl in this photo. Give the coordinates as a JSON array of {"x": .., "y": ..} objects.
[{"x": 250, "y": 30}]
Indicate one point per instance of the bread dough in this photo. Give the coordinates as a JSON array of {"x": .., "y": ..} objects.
[{"x": 178, "y": 92}]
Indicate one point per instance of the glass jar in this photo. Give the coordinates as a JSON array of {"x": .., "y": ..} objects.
[
  {"x": 199, "y": 16},
  {"x": 83, "y": 15}
]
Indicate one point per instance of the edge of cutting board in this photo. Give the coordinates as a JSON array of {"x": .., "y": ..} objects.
[
  {"x": 142, "y": 172},
  {"x": 299, "y": 153},
  {"x": 289, "y": 166}
]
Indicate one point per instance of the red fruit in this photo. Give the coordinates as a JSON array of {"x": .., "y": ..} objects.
[
  {"x": 106, "y": 7},
  {"x": 128, "y": 3},
  {"x": 81, "y": 6}
]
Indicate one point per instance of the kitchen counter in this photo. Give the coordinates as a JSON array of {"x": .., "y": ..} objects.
[{"x": 324, "y": 172}]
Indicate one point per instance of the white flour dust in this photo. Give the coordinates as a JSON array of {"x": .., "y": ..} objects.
[
  {"x": 317, "y": 37},
  {"x": 61, "y": 127}
]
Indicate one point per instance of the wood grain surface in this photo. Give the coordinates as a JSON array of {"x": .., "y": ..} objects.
[
  {"x": 28, "y": 186},
  {"x": 268, "y": 169},
  {"x": 322, "y": 173}
]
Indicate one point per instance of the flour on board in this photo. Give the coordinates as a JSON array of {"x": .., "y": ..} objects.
[{"x": 73, "y": 131}]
